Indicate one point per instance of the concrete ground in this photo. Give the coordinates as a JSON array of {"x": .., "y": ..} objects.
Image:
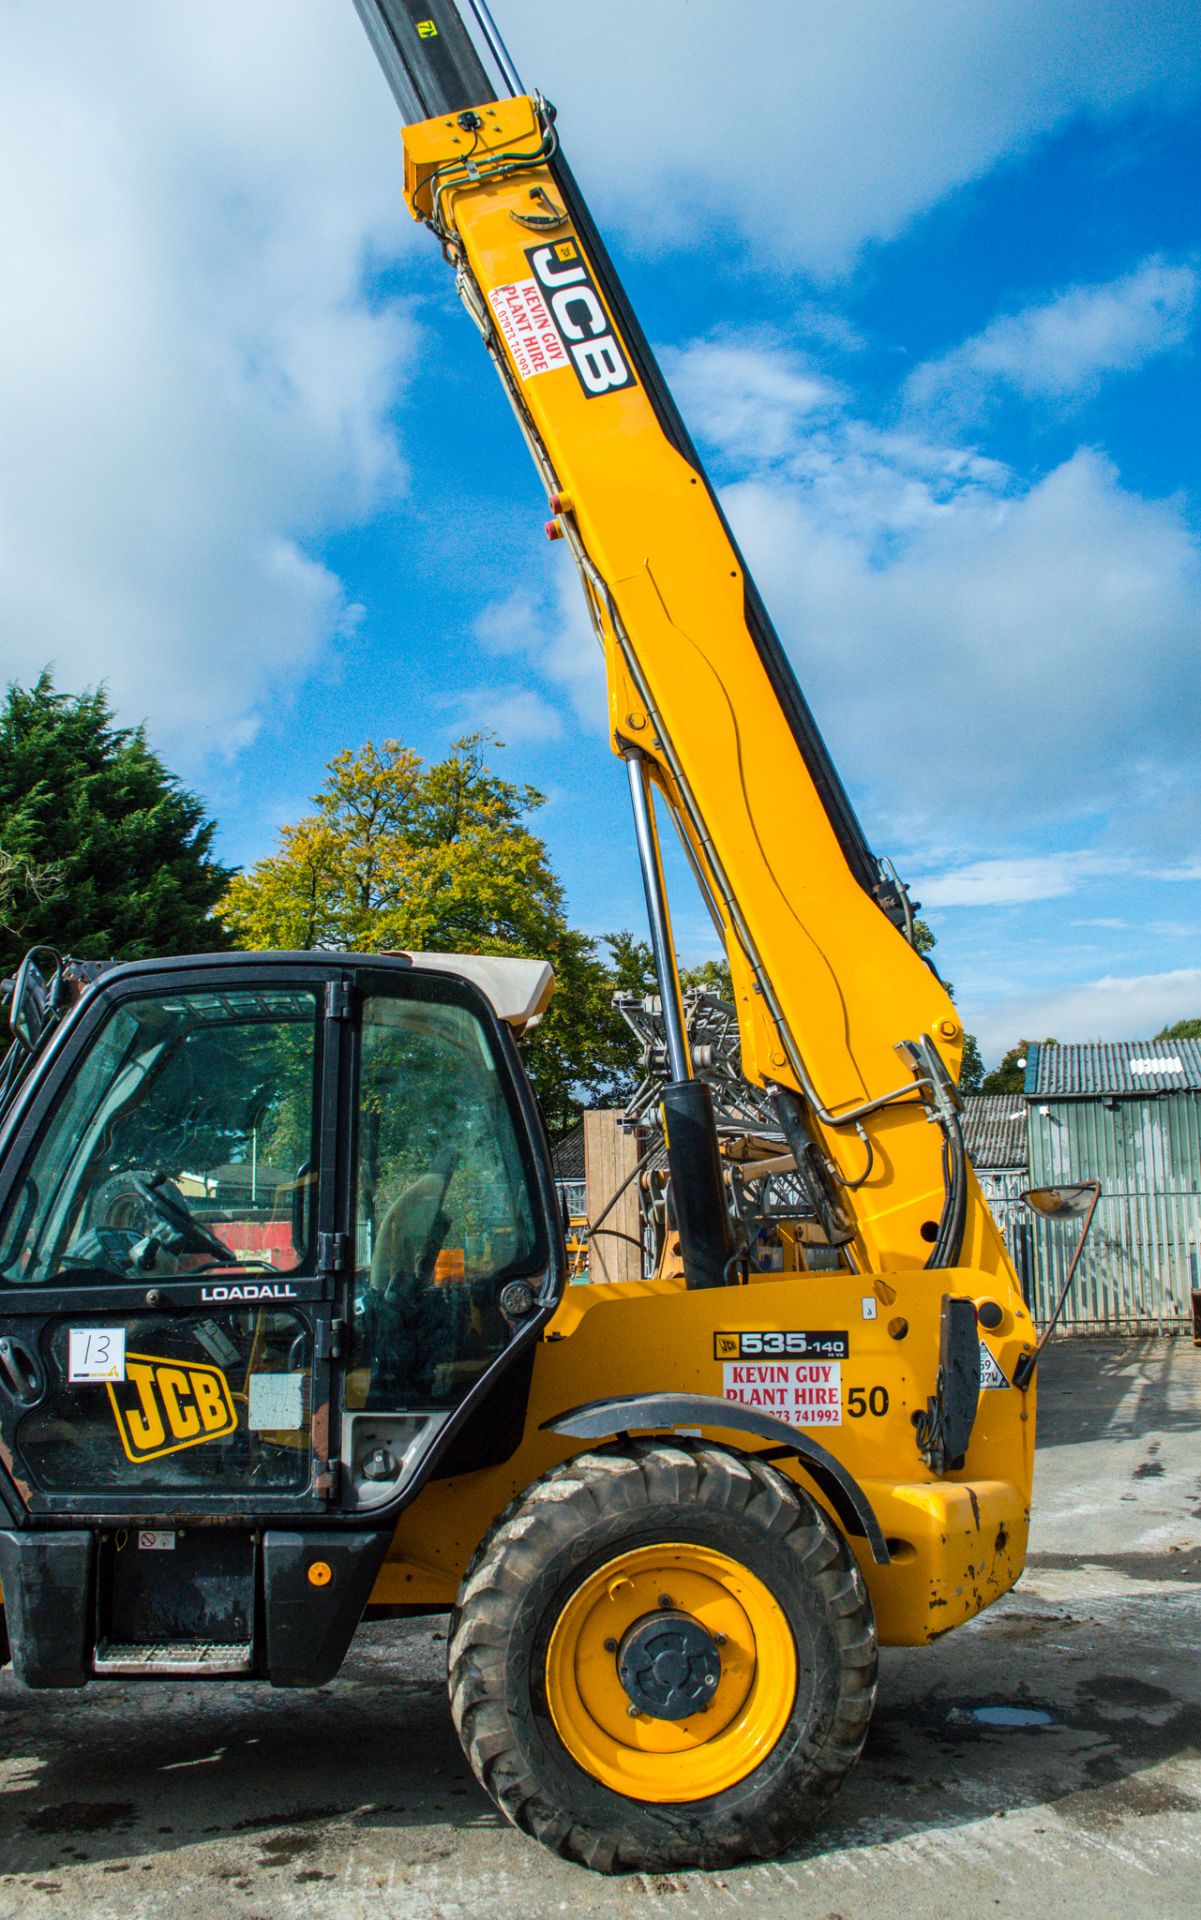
[{"x": 1044, "y": 1758}]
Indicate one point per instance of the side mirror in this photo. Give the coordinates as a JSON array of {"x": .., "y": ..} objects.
[
  {"x": 1077, "y": 1201},
  {"x": 1062, "y": 1203},
  {"x": 27, "y": 1008}
]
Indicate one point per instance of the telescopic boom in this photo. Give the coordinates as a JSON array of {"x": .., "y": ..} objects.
[{"x": 840, "y": 1017}]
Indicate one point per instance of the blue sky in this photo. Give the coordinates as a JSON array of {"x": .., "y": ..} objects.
[{"x": 926, "y": 282}]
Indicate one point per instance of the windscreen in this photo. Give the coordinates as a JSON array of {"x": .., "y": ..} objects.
[{"x": 182, "y": 1142}]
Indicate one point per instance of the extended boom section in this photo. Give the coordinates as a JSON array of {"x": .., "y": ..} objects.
[{"x": 837, "y": 1010}]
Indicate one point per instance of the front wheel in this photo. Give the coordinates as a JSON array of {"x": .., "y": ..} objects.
[{"x": 662, "y": 1656}]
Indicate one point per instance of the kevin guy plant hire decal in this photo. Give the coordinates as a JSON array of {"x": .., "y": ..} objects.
[{"x": 765, "y": 1369}]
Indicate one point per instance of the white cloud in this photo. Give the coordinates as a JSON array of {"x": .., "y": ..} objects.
[
  {"x": 750, "y": 398},
  {"x": 1011, "y": 882},
  {"x": 509, "y": 626},
  {"x": 807, "y": 131},
  {"x": 1130, "y": 1007},
  {"x": 517, "y": 716},
  {"x": 1017, "y": 656},
  {"x": 547, "y": 627},
  {"x": 1064, "y": 348},
  {"x": 989, "y": 658},
  {"x": 980, "y": 649},
  {"x": 193, "y": 388}
]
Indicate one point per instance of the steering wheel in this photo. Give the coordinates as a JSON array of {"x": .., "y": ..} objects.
[{"x": 167, "y": 1201}]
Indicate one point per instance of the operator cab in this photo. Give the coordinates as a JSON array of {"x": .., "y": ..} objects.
[{"x": 270, "y": 1229}]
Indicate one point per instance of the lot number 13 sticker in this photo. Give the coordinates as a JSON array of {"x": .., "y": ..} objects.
[{"x": 96, "y": 1353}]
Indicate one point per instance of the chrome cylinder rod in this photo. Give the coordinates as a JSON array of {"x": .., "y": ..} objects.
[
  {"x": 496, "y": 45},
  {"x": 679, "y": 1058}
]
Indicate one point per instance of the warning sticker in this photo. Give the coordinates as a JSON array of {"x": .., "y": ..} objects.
[
  {"x": 990, "y": 1372},
  {"x": 530, "y": 334},
  {"x": 806, "y": 1393},
  {"x": 276, "y": 1402}
]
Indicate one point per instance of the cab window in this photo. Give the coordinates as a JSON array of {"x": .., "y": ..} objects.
[
  {"x": 184, "y": 1142},
  {"x": 444, "y": 1210}
]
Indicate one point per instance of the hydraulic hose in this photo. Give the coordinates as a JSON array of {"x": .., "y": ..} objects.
[{"x": 953, "y": 1220}]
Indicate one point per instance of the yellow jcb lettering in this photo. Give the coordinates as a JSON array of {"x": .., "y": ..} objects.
[
  {"x": 210, "y": 1401},
  {"x": 174, "y": 1391},
  {"x": 145, "y": 1428}
]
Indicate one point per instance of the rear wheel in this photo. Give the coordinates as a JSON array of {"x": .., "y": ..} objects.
[{"x": 662, "y": 1656}]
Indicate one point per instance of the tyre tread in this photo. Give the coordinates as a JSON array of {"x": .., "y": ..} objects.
[{"x": 548, "y": 1521}]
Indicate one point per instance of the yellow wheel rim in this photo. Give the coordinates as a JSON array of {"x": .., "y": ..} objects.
[{"x": 671, "y": 1760}]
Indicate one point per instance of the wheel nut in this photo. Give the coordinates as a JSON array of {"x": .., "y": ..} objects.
[
  {"x": 665, "y": 1599},
  {"x": 610, "y": 1645},
  {"x": 633, "y": 1712},
  {"x": 719, "y": 1639}
]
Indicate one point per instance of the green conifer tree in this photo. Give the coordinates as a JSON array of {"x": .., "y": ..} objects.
[{"x": 103, "y": 853}]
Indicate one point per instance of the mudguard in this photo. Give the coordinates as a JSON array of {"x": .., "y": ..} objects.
[{"x": 604, "y": 1419}]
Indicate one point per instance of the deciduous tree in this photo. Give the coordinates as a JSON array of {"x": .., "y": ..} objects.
[{"x": 437, "y": 857}]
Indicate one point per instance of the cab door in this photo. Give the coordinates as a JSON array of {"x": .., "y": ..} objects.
[
  {"x": 168, "y": 1254},
  {"x": 453, "y": 1271}
]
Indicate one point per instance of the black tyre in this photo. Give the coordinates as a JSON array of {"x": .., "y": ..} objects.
[{"x": 662, "y": 1656}]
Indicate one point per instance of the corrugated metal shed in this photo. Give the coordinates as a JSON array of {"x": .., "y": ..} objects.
[
  {"x": 994, "y": 1131},
  {"x": 1085, "y": 1069},
  {"x": 1129, "y": 1115}
]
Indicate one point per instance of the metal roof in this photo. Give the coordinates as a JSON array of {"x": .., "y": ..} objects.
[
  {"x": 1079, "y": 1069},
  {"x": 994, "y": 1129},
  {"x": 568, "y": 1154}
]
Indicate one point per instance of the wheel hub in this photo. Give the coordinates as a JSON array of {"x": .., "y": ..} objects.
[{"x": 669, "y": 1665}]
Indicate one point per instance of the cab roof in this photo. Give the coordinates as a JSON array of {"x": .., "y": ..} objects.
[{"x": 518, "y": 990}]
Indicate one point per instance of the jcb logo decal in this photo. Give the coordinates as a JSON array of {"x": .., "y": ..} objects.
[
  {"x": 162, "y": 1406},
  {"x": 587, "y": 331}
]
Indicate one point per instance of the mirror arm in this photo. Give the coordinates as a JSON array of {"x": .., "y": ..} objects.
[{"x": 1023, "y": 1373}]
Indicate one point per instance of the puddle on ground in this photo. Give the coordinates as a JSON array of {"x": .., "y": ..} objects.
[{"x": 1003, "y": 1716}]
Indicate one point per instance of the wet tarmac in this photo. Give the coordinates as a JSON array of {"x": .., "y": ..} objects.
[{"x": 1047, "y": 1757}]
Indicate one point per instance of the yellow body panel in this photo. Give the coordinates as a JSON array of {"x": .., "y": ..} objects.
[{"x": 958, "y": 1541}]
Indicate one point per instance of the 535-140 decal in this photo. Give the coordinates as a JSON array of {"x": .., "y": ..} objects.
[{"x": 762, "y": 1343}]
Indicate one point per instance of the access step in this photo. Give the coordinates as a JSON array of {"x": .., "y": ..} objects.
[{"x": 176, "y": 1660}]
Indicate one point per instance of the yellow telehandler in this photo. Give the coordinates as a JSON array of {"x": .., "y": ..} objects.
[{"x": 286, "y": 1334}]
